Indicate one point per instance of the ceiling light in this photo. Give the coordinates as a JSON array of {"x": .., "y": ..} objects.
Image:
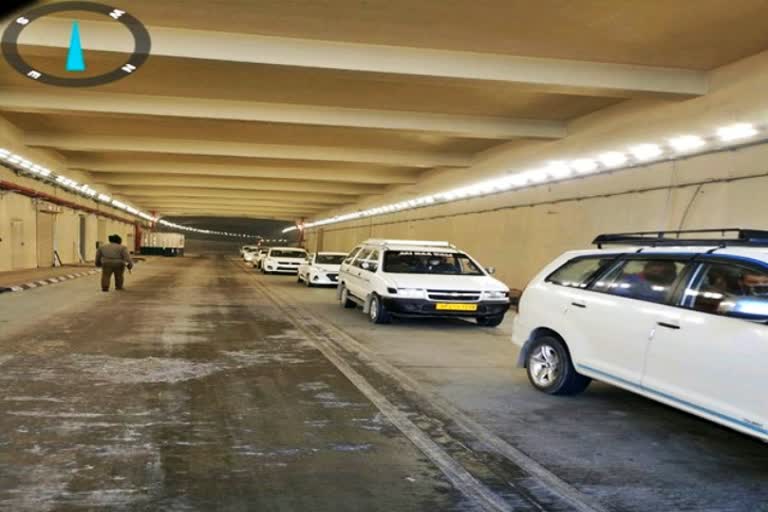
[
  {"x": 584, "y": 165},
  {"x": 686, "y": 143},
  {"x": 646, "y": 151},
  {"x": 736, "y": 131},
  {"x": 537, "y": 175},
  {"x": 559, "y": 170}
]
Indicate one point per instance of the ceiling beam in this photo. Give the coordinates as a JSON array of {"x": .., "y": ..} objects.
[
  {"x": 161, "y": 205},
  {"x": 549, "y": 74},
  {"x": 159, "y": 202},
  {"x": 137, "y": 193},
  {"x": 76, "y": 102},
  {"x": 150, "y": 181},
  {"x": 290, "y": 214},
  {"x": 244, "y": 149},
  {"x": 255, "y": 216},
  {"x": 359, "y": 175}
]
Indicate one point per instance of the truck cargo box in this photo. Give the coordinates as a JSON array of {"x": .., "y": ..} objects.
[{"x": 162, "y": 244}]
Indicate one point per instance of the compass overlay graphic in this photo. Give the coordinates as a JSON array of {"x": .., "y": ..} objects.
[{"x": 75, "y": 61}]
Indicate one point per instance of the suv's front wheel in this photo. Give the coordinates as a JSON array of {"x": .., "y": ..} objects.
[{"x": 551, "y": 370}]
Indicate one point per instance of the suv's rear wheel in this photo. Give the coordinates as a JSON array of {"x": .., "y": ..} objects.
[
  {"x": 344, "y": 298},
  {"x": 377, "y": 313},
  {"x": 551, "y": 370},
  {"x": 490, "y": 321}
]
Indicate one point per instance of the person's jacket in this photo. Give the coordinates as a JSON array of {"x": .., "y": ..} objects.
[{"x": 113, "y": 253}]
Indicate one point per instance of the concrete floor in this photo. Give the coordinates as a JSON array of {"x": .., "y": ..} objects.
[{"x": 206, "y": 386}]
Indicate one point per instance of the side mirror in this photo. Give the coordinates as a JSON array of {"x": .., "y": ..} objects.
[
  {"x": 365, "y": 266},
  {"x": 490, "y": 270}
]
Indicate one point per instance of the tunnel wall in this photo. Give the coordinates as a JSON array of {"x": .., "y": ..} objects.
[
  {"x": 519, "y": 232},
  {"x": 66, "y": 226}
]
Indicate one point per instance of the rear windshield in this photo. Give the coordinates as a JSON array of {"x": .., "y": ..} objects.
[
  {"x": 287, "y": 253},
  {"x": 419, "y": 262},
  {"x": 330, "y": 259}
]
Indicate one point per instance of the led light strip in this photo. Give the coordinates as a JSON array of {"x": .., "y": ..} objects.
[
  {"x": 23, "y": 165},
  {"x": 639, "y": 154}
]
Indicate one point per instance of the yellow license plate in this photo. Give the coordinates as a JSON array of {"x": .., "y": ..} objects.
[{"x": 456, "y": 307}]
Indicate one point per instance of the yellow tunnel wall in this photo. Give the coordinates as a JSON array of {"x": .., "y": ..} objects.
[{"x": 519, "y": 232}]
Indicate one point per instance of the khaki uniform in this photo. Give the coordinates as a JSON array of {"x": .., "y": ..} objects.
[{"x": 113, "y": 258}]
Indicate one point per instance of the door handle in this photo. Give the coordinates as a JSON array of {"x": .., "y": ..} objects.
[
  {"x": 668, "y": 325},
  {"x": 579, "y": 305}
]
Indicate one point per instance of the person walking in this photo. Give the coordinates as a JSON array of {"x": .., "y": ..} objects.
[{"x": 113, "y": 258}]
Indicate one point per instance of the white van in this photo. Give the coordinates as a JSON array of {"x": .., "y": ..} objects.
[
  {"x": 678, "y": 319},
  {"x": 420, "y": 278},
  {"x": 283, "y": 260}
]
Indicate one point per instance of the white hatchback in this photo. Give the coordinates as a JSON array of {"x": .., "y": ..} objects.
[
  {"x": 682, "y": 321},
  {"x": 283, "y": 260},
  {"x": 321, "y": 268}
]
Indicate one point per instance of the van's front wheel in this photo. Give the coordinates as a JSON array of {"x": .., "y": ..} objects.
[
  {"x": 490, "y": 321},
  {"x": 377, "y": 313},
  {"x": 551, "y": 370}
]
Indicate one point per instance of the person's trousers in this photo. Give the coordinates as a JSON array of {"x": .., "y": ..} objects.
[{"x": 107, "y": 269}]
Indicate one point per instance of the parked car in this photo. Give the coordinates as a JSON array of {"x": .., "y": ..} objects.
[
  {"x": 321, "y": 268},
  {"x": 682, "y": 321},
  {"x": 258, "y": 257},
  {"x": 248, "y": 253},
  {"x": 420, "y": 279},
  {"x": 243, "y": 248},
  {"x": 283, "y": 260}
]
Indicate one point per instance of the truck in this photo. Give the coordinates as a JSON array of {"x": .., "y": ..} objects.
[{"x": 156, "y": 243}]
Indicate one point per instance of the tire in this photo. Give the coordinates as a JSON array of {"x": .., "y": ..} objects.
[
  {"x": 377, "y": 313},
  {"x": 490, "y": 321},
  {"x": 298, "y": 279},
  {"x": 551, "y": 370},
  {"x": 346, "y": 302}
]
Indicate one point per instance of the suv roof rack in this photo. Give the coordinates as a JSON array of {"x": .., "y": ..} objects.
[
  {"x": 687, "y": 237},
  {"x": 417, "y": 243}
]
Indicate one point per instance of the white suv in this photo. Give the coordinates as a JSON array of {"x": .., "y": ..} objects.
[
  {"x": 682, "y": 321},
  {"x": 321, "y": 269},
  {"x": 283, "y": 260},
  {"x": 419, "y": 278}
]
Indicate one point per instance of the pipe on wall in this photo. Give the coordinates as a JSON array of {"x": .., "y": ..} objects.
[{"x": 29, "y": 192}]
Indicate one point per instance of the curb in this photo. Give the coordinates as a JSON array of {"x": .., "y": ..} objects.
[{"x": 46, "y": 282}]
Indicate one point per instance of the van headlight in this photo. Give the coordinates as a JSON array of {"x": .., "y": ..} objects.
[
  {"x": 493, "y": 295},
  {"x": 411, "y": 293}
]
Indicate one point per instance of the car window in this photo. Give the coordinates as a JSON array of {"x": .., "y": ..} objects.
[
  {"x": 428, "y": 262},
  {"x": 287, "y": 253},
  {"x": 728, "y": 290},
  {"x": 351, "y": 256},
  {"x": 648, "y": 279},
  {"x": 329, "y": 259},
  {"x": 361, "y": 256},
  {"x": 577, "y": 272},
  {"x": 372, "y": 259}
]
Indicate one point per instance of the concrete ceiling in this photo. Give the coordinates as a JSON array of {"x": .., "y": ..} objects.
[{"x": 285, "y": 109}]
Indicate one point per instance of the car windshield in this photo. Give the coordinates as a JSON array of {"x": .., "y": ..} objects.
[
  {"x": 330, "y": 259},
  {"x": 421, "y": 262},
  {"x": 287, "y": 253}
]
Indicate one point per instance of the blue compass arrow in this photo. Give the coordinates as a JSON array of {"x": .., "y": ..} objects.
[{"x": 75, "y": 59}]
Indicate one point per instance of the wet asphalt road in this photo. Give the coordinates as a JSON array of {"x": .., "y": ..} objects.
[
  {"x": 190, "y": 392},
  {"x": 194, "y": 391}
]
